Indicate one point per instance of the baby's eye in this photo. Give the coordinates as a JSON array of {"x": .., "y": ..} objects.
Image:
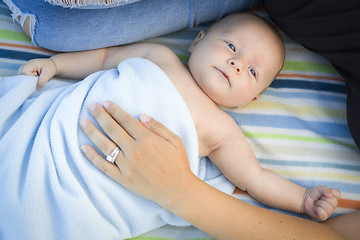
[
  {"x": 231, "y": 46},
  {"x": 252, "y": 71}
]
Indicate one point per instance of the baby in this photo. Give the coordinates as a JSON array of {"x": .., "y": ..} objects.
[{"x": 230, "y": 65}]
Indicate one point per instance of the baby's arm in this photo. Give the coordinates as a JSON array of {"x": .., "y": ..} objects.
[
  {"x": 238, "y": 163},
  {"x": 78, "y": 65}
]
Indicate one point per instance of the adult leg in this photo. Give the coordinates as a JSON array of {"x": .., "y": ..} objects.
[
  {"x": 64, "y": 29},
  {"x": 330, "y": 28}
]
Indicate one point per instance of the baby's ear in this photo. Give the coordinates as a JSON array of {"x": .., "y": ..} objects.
[{"x": 200, "y": 36}]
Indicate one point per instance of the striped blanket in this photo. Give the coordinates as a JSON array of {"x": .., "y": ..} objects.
[{"x": 297, "y": 128}]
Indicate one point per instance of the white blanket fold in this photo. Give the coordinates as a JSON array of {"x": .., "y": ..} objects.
[{"x": 49, "y": 190}]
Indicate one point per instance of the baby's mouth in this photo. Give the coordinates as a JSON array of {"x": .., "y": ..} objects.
[{"x": 225, "y": 76}]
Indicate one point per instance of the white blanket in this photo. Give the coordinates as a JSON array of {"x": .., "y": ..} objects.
[{"x": 49, "y": 190}]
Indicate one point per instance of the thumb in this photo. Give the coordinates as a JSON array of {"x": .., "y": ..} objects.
[
  {"x": 157, "y": 128},
  {"x": 41, "y": 82},
  {"x": 44, "y": 78}
]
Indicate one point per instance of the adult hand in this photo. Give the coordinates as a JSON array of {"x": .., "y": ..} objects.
[{"x": 152, "y": 162}]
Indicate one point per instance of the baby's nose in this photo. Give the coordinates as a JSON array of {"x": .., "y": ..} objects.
[{"x": 236, "y": 65}]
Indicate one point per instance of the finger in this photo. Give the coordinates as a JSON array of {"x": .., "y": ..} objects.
[
  {"x": 111, "y": 127},
  {"x": 105, "y": 145},
  {"x": 26, "y": 70},
  {"x": 41, "y": 82},
  {"x": 99, "y": 162},
  {"x": 320, "y": 213},
  {"x": 333, "y": 201},
  {"x": 130, "y": 124},
  {"x": 325, "y": 191},
  {"x": 336, "y": 193},
  {"x": 159, "y": 129},
  {"x": 325, "y": 206},
  {"x": 20, "y": 69},
  {"x": 43, "y": 79}
]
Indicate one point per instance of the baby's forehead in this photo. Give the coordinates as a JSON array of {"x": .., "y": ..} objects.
[{"x": 240, "y": 22}]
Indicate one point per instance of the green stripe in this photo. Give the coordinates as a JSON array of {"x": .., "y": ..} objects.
[
  {"x": 183, "y": 58},
  {"x": 300, "y": 110},
  {"x": 296, "y": 138},
  {"x": 158, "y": 238},
  {"x": 309, "y": 67},
  {"x": 16, "y": 36},
  {"x": 149, "y": 238}
]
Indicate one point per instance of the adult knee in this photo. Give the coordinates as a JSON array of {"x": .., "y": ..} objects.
[{"x": 26, "y": 26}]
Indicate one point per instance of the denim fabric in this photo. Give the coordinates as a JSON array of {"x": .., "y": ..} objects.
[
  {"x": 72, "y": 29},
  {"x": 91, "y": 4}
]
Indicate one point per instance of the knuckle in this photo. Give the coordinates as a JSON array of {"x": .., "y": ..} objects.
[
  {"x": 138, "y": 154},
  {"x": 106, "y": 168},
  {"x": 110, "y": 129},
  {"x": 155, "y": 125},
  {"x": 147, "y": 141},
  {"x": 125, "y": 120},
  {"x": 178, "y": 142},
  {"x": 106, "y": 148},
  {"x": 130, "y": 172}
]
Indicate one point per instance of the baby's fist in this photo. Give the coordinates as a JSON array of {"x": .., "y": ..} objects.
[
  {"x": 44, "y": 68},
  {"x": 320, "y": 202}
]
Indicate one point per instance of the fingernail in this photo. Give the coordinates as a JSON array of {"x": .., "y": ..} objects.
[
  {"x": 145, "y": 118},
  {"x": 83, "y": 123},
  {"x": 92, "y": 107},
  {"x": 84, "y": 149},
  {"x": 106, "y": 104}
]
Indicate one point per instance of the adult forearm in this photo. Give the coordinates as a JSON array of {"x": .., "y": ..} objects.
[
  {"x": 346, "y": 225},
  {"x": 161, "y": 173},
  {"x": 225, "y": 217}
]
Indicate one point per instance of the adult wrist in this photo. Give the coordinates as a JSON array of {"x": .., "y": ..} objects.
[{"x": 176, "y": 199}]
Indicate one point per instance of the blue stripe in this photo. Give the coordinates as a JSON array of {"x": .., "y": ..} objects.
[
  {"x": 9, "y": 66},
  {"x": 342, "y": 186},
  {"x": 20, "y": 55},
  {"x": 5, "y": 11},
  {"x": 302, "y": 84},
  {"x": 311, "y": 164},
  {"x": 308, "y": 95},
  {"x": 289, "y": 122},
  {"x": 255, "y": 203}
]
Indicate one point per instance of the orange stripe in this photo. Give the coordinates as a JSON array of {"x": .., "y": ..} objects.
[
  {"x": 294, "y": 75},
  {"x": 26, "y": 47},
  {"x": 343, "y": 203},
  {"x": 348, "y": 203},
  {"x": 239, "y": 191}
]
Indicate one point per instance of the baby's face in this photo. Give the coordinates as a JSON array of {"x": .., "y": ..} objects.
[{"x": 236, "y": 60}]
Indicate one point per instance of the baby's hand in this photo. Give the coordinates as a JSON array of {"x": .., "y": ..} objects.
[
  {"x": 320, "y": 202},
  {"x": 44, "y": 68}
]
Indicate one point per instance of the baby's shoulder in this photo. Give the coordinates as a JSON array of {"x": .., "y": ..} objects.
[
  {"x": 214, "y": 127},
  {"x": 161, "y": 54}
]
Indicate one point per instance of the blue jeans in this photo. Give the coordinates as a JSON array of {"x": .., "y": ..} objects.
[{"x": 74, "y": 29}]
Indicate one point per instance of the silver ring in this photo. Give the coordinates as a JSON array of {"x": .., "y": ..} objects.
[{"x": 111, "y": 158}]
